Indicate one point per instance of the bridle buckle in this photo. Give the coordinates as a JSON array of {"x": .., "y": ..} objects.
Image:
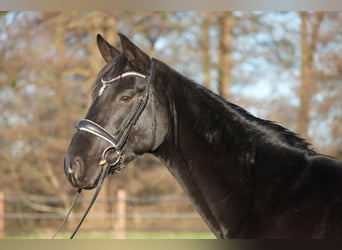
[{"x": 114, "y": 166}]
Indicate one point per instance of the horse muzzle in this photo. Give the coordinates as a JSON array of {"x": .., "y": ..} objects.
[{"x": 75, "y": 171}]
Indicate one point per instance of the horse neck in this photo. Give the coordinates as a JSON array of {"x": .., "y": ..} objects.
[
  {"x": 196, "y": 151},
  {"x": 211, "y": 150}
]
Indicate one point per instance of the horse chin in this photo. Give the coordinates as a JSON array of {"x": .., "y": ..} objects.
[{"x": 94, "y": 180}]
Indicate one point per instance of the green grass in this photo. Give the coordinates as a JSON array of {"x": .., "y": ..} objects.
[
  {"x": 169, "y": 235},
  {"x": 129, "y": 235}
]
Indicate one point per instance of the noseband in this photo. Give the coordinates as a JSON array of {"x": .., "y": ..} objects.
[{"x": 116, "y": 142}]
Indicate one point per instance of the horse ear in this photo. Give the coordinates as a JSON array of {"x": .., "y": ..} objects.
[
  {"x": 134, "y": 55},
  {"x": 107, "y": 51}
]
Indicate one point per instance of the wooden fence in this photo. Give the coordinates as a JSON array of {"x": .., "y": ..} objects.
[
  {"x": 122, "y": 214},
  {"x": 2, "y": 216}
]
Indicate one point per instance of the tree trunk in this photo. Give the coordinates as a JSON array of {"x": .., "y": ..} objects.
[
  {"x": 308, "y": 47},
  {"x": 206, "y": 62},
  {"x": 226, "y": 23}
]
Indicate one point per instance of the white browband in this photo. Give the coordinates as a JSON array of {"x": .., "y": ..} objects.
[{"x": 130, "y": 73}]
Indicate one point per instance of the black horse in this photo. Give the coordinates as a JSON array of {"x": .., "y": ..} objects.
[{"x": 247, "y": 177}]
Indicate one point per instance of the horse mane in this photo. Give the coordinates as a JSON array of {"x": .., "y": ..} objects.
[{"x": 291, "y": 138}]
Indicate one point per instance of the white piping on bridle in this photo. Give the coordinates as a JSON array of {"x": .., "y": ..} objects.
[{"x": 105, "y": 83}]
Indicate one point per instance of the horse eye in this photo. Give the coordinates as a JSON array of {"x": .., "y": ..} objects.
[{"x": 125, "y": 98}]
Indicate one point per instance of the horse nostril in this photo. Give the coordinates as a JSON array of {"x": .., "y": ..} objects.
[{"x": 77, "y": 168}]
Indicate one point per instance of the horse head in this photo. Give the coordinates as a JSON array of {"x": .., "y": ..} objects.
[{"x": 125, "y": 119}]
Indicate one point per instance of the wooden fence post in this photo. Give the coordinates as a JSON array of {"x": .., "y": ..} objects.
[
  {"x": 2, "y": 215},
  {"x": 120, "y": 226}
]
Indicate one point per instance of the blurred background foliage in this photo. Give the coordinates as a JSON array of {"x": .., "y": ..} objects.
[{"x": 282, "y": 66}]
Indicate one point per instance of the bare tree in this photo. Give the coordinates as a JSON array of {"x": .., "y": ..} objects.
[
  {"x": 226, "y": 25},
  {"x": 309, "y": 34},
  {"x": 206, "y": 58}
]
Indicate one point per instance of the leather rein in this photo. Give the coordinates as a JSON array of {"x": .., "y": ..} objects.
[{"x": 116, "y": 142}]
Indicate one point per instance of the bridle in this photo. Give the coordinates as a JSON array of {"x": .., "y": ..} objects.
[{"x": 117, "y": 141}]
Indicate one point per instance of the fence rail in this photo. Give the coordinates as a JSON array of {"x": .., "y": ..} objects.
[{"x": 116, "y": 216}]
